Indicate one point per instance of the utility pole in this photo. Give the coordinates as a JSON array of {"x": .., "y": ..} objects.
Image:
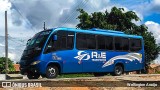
[
  {"x": 44, "y": 27},
  {"x": 6, "y": 42}
]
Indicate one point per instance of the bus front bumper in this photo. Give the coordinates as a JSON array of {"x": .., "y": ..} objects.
[{"x": 28, "y": 69}]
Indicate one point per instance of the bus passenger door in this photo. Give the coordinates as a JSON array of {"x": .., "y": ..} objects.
[{"x": 65, "y": 50}]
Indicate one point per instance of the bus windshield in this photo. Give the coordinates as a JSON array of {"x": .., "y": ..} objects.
[{"x": 38, "y": 40}]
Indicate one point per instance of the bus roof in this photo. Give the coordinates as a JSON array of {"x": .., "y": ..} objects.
[{"x": 98, "y": 31}]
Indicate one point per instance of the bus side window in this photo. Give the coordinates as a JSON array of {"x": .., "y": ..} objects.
[
  {"x": 70, "y": 41},
  {"x": 105, "y": 42},
  {"x": 125, "y": 44},
  {"x": 64, "y": 40},
  {"x": 109, "y": 43},
  {"x": 135, "y": 45},
  {"x": 118, "y": 43},
  {"x": 101, "y": 42},
  {"x": 49, "y": 46},
  {"x": 85, "y": 41},
  {"x": 91, "y": 41},
  {"x": 81, "y": 42}
]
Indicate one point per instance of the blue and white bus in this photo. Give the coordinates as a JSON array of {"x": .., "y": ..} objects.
[{"x": 67, "y": 50}]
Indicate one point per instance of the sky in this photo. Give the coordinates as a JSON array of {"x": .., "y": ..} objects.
[{"x": 26, "y": 17}]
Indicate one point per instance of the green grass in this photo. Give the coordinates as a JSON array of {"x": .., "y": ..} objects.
[
  {"x": 157, "y": 72},
  {"x": 78, "y": 75},
  {"x": 75, "y": 75}
]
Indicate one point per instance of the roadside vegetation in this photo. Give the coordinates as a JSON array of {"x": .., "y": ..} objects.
[
  {"x": 2, "y": 65},
  {"x": 75, "y": 75},
  {"x": 157, "y": 72},
  {"x": 78, "y": 75}
]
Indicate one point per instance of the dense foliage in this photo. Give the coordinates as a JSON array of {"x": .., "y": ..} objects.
[{"x": 2, "y": 65}]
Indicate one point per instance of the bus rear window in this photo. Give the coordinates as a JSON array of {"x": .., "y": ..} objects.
[{"x": 135, "y": 45}]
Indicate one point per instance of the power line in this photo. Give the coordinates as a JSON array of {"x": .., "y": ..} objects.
[
  {"x": 27, "y": 22},
  {"x": 20, "y": 45},
  {"x": 25, "y": 19},
  {"x": 17, "y": 42},
  {"x": 83, "y": 6},
  {"x": 92, "y": 6},
  {"x": 16, "y": 39},
  {"x": 73, "y": 13},
  {"x": 65, "y": 21}
]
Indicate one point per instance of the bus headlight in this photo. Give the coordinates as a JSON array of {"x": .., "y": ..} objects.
[{"x": 35, "y": 62}]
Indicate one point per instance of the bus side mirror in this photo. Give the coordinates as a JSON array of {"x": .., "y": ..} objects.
[
  {"x": 54, "y": 37},
  {"x": 28, "y": 41}
]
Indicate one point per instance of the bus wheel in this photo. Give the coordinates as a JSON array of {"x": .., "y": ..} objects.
[
  {"x": 118, "y": 70},
  {"x": 33, "y": 75},
  {"x": 52, "y": 72}
]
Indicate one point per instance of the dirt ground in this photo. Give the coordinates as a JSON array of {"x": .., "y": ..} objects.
[
  {"x": 85, "y": 88},
  {"x": 125, "y": 82}
]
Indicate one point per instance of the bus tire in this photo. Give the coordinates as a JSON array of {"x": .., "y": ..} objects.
[
  {"x": 52, "y": 72},
  {"x": 33, "y": 76},
  {"x": 118, "y": 70}
]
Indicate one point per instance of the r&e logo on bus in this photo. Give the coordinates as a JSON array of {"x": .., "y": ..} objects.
[{"x": 94, "y": 56}]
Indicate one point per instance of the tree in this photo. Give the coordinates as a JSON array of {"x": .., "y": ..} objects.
[
  {"x": 151, "y": 48},
  {"x": 2, "y": 65},
  {"x": 120, "y": 20}
]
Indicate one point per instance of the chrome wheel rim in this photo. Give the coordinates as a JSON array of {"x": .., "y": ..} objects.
[
  {"x": 52, "y": 71},
  {"x": 118, "y": 70}
]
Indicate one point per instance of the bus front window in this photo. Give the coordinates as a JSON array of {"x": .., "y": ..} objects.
[
  {"x": 35, "y": 44},
  {"x": 38, "y": 40}
]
